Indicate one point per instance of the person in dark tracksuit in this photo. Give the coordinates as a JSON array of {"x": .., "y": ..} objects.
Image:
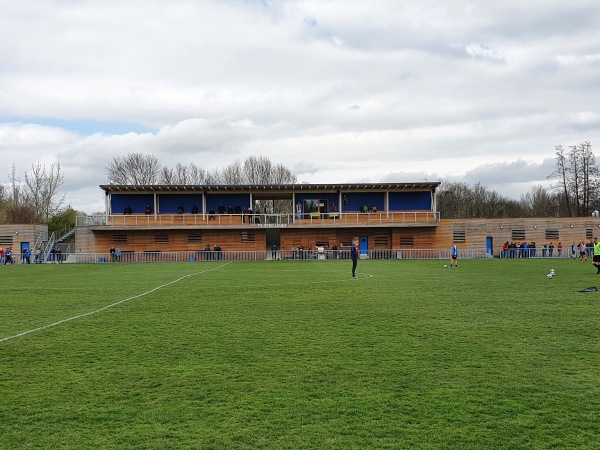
[{"x": 354, "y": 256}]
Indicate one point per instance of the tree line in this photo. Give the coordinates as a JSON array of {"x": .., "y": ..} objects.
[{"x": 574, "y": 191}]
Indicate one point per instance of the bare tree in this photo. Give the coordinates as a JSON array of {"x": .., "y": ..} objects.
[
  {"x": 16, "y": 208},
  {"x": 260, "y": 170},
  {"x": 134, "y": 168},
  {"x": 41, "y": 190},
  {"x": 191, "y": 174},
  {"x": 233, "y": 174},
  {"x": 539, "y": 202},
  {"x": 577, "y": 178}
]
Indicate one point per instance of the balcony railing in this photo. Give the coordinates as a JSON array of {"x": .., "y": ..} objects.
[{"x": 260, "y": 220}]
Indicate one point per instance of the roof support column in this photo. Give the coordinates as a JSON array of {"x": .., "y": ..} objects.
[{"x": 387, "y": 204}]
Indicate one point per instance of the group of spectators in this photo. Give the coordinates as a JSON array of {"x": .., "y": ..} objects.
[
  {"x": 368, "y": 209},
  {"x": 7, "y": 256},
  {"x": 115, "y": 254},
  {"x": 209, "y": 254},
  {"x": 531, "y": 250}
]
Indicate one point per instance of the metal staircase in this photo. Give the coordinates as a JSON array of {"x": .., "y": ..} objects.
[{"x": 55, "y": 237}]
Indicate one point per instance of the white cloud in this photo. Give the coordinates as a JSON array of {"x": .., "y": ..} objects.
[{"x": 338, "y": 91}]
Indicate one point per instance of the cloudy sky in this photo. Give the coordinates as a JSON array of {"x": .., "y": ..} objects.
[{"x": 336, "y": 90}]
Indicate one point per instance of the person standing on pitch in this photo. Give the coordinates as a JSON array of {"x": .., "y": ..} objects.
[
  {"x": 354, "y": 256},
  {"x": 596, "y": 257},
  {"x": 454, "y": 255}
]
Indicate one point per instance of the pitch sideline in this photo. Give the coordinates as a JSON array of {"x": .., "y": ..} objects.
[{"x": 60, "y": 322}]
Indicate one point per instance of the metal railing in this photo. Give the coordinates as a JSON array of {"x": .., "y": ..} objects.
[
  {"x": 265, "y": 255},
  {"x": 259, "y": 220}
]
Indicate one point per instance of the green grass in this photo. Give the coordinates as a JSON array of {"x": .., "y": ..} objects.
[{"x": 298, "y": 355}]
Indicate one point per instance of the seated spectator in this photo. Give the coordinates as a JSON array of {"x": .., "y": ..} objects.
[
  {"x": 211, "y": 214},
  {"x": 127, "y": 210},
  {"x": 180, "y": 209},
  {"x": 194, "y": 209},
  {"x": 221, "y": 209},
  {"x": 373, "y": 208},
  {"x": 148, "y": 209},
  {"x": 238, "y": 209},
  {"x": 230, "y": 209}
]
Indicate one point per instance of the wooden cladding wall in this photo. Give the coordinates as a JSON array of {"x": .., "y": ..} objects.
[
  {"x": 475, "y": 233},
  {"x": 181, "y": 240}
]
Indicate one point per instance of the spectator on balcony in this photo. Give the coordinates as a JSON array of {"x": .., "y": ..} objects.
[
  {"x": 180, "y": 209},
  {"x": 194, "y": 209},
  {"x": 221, "y": 208},
  {"x": 148, "y": 209},
  {"x": 238, "y": 209},
  {"x": 374, "y": 208},
  {"x": 333, "y": 207},
  {"x": 127, "y": 210},
  {"x": 211, "y": 214},
  {"x": 230, "y": 209}
]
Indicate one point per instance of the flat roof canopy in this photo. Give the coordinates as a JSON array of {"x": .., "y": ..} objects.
[{"x": 269, "y": 191}]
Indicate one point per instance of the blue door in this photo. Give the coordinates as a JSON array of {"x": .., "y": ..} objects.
[
  {"x": 489, "y": 247},
  {"x": 364, "y": 245}
]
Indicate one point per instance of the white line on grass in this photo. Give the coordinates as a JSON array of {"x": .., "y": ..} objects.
[{"x": 60, "y": 322}]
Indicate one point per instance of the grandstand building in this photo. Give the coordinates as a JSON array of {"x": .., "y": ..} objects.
[{"x": 391, "y": 218}]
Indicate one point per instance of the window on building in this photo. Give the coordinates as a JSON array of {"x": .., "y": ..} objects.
[
  {"x": 6, "y": 240},
  {"x": 119, "y": 239},
  {"x": 381, "y": 241},
  {"x": 518, "y": 235},
  {"x": 161, "y": 238},
  {"x": 551, "y": 234},
  {"x": 195, "y": 237},
  {"x": 315, "y": 206},
  {"x": 407, "y": 241},
  {"x": 248, "y": 238},
  {"x": 459, "y": 236}
]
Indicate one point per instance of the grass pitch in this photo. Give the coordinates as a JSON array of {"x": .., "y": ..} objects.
[{"x": 251, "y": 355}]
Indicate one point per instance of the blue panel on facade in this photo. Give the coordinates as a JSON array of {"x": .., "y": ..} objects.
[
  {"x": 137, "y": 202},
  {"x": 406, "y": 201},
  {"x": 214, "y": 200},
  {"x": 169, "y": 203},
  {"x": 353, "y": 201}
]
